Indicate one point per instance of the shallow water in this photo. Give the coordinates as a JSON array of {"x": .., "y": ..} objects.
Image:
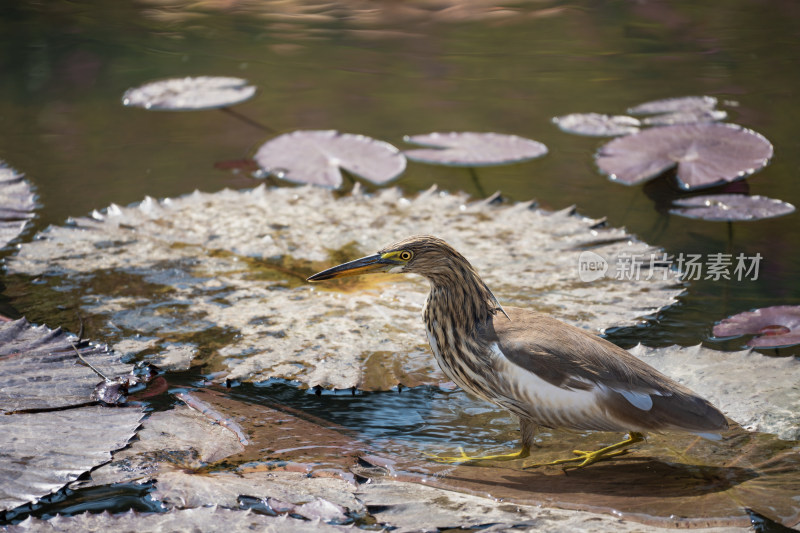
[{"x": 386, "y": 71}]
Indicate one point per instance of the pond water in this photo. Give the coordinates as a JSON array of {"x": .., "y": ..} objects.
[{"x": 391, "y": 69}]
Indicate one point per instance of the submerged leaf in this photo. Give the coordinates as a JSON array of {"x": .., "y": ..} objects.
[
  {"x": 470, "y": 149},
  {"x": 596, "y": 124},
  {"x": 773, "y": 327},
  {"x": 189, "y": 94},
  {"x": 17, "y": 202},
  {"x": 42, "y": 452},
  {"x": 731, "y": 207},
  {"x": 705, "y": 154},
  {"x": 316, "y": 157}
]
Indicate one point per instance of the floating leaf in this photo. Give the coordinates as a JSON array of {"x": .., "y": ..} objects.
[
  {"x": 419, "y": 507},
  {"x": 42, "y": 452},
  {"x": 705, "y": 154},
  {"x": 227, "y": 271},
  {"x": 316, "y": 157},
  {"x": 39, "y": 368},
  {"x": 17, "y": 202},
  {"x": 675, "y": 105},
  {"x": 189, "y": 94},
  {"x": 730, "y": 207},
  {"x": 199, "y": 519},
  {"x": 176, "y": 439},
  {"x": 674, "y": 480},
  {"x": 686, "y": 117},
  {"x": 469, "y": 149},
  {"x": 773, "y": 327},
  {"x": 316, "y": 452},
  {"x": 596, "y": 124}
]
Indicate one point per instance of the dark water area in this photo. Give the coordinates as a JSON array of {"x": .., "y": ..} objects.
[{"x": 386, "y": 70}]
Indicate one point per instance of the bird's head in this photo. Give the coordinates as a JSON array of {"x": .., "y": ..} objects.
[{"x": 421, "y": 254}]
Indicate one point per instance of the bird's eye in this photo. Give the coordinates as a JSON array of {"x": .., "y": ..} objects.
[{"x": 405, "y": 255}]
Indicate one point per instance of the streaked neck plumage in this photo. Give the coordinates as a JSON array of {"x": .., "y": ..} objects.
[{"x": 458, "y": 307}]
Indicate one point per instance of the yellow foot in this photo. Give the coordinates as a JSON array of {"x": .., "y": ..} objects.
[
  {"x": 585, "y": 458},
  {"x": 464, "y": 458}
]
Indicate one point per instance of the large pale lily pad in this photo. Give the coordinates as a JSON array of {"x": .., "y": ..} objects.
[
  {"x": 703, "y": 155},
  {"x": 598, "y": 125},
  {"x": 17, "y": 202},
  {"x": 772, "y": 326},
  {"x": 316, "y": 157},
  {"x": 39, "y": 368},
  {"x": 471, "y": 149},
  {"x": 190, "y": 93},
  {"x": 225, "y": 273},
  {"x": 42, "y": 452},
  {"x": 730, "y": 207}
]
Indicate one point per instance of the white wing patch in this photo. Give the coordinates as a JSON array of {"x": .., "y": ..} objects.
[{"x": 640, "y": 400}]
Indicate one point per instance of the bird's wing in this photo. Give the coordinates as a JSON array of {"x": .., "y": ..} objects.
[{"x": 571, "y": 358}]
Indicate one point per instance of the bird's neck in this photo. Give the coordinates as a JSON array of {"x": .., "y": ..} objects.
[{"x": 462, "y": 302}]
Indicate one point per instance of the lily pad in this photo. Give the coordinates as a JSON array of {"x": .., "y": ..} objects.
[
  {"x": 598, "y": 125},
  {"x": 731, "y": 207},
  {"x": 180, "y": 438},
  {"x": 675, "y": 105},
  {"x": 197, "y": 519},
  {"x": 226, "y": 274},
  {"x": 316, "y": 157},
  {"x": 470, "y": 149},
  {"x": 40, "y": 370},
  {"x": 42, "y": 452},
  {"x": 686, "y": 117},
  {"x": 773, "y": 327},
  {"x": 17, "y": 202},
  {"x": 190, "y": 93},
  {"x": 703, "y": 155}
]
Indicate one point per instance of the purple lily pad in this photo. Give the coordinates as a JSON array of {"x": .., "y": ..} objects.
[
  {"x": 675, "y": 105},
  {"x": 705, "y": 154},
  {"x": 470, "y": 149},
  {"x": 17, "y": 202},
  {"x": 189, "y": 94},
  {"x": 730, "y": 207},
  {"x": 316, "y": 157},
  {"x": 774, "y": 327},
  {"x": 597, "y": 124}
]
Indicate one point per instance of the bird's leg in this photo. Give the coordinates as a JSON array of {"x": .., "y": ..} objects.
[
  {"x": 585, "y": 458},
  {"x": 527, "y": 430},
  {"x": 464, "y": 458}
]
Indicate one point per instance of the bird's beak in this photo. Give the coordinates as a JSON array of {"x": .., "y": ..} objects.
[{"x": 365, "y": 265}]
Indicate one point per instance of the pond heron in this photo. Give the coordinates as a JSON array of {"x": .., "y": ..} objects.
[{"x": 544, "y": 371}]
